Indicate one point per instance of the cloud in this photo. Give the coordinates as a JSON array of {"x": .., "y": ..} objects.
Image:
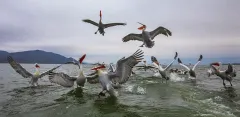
[{"x": 203, "y": 27}]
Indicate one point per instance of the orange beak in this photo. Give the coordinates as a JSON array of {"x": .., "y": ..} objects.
[
  {"x": 97, "y": 68},
  {"x": 100, "y": 14},
  {"x": 82, "y": 58},
  {"x": 142, "y": 27},
  {"x": 216, "y": 64},
  {"x": 37, "y": 66}
]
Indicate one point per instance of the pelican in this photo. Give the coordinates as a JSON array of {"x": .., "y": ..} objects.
[
  {"x": 68, "y": 81},
  {"x": 145, "y": 67},
  {"x": 161, "y": 70},
  {"x": 147, "y": 37},
  {"x": 34, "y": 77},
  {"x": 113, "y": 69},
  {"x": 111, "y": 80},
  {"x": 100, "y": 25},
  {"x": 225, "y": 75},
  {"x": 192, "y": 74}
]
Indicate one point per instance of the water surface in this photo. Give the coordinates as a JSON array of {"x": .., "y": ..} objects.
[{"x": 141, "y": 96}]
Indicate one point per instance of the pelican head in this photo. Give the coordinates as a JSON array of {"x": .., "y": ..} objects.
[
  {"x": 216, "y": 63},
  {"x": 82, "y": 58},
  {"x": 154, "y": 60},
  {"x": 36, "y": 65},
  {"x": 100, "y": 14},
  {"x": 143, "y": 27},
  {"x": 99, "y": 67}
]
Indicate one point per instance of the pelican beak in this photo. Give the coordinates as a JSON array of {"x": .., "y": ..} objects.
[
  {"x": 37, "y": 66},
  {"x": 142, "y": 27},
  {"x": 216, "y": 63},
  {"x": 82, "y": 58},
  {"x": 99, "y": 67}
]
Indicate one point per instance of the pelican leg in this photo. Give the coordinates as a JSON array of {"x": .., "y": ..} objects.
[
  {"x": 96, "y": 32},
  {"x": 224, "y": 84},
  {"x": 230, "y": 83}
]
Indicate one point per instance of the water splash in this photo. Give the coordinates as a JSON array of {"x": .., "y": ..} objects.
[{"x": 175, "y": 78}]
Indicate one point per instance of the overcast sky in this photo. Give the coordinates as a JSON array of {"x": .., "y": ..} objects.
[{"x": 208, "y": 27}]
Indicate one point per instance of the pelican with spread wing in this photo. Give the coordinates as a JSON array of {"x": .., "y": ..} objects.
[
  {"x": 111, "y": 80},
  {"x": 147, "y": 37},
  {"x": 102, "y": 26},
  {"x": 192, "y": 74},
  {"x": 34, "y": 77},
  {"x": 68, "y": 81},
  {"x": 163, "y": 71},
  {"x": 227, "y": 74},
  {"x": 145, "y": 67}
]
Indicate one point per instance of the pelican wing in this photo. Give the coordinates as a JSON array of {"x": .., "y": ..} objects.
[
  {"x": 156, "y": 63},
  {"x": 125, "y": 65},
  {"x": 151, "y": 67},
  {"x": 199, "y": 60},
  {"x": 175, "y": 57},
  {"x": 111, "y": 68},
  {"x": 90, "y": 21},
  {"x": 113, "y": 24},
  {"x": 140, "y": 67},
  {"x": 93, "y": 79},
  {"x": 18, "y": 68},
  {"x": 180, "y": 63},
  {"x": 160, "y": 30},
  {"x": 61, "y": 79},
  {"x": 73, "y": 63},
  {"x": 132, "y": 36},
  {"x": 49, "y": 71}
]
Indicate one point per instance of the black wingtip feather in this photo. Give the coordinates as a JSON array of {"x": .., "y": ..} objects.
[
  {"x": 176, "y": 54},
  {"x": 200, "y": 58},
  {"x": 179, "y": 60}
]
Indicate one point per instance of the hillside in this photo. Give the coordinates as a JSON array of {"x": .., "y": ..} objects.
[{"x": 35, "y": 56}]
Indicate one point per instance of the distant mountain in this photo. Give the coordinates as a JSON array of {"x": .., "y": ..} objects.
[{"x": 35, "y": 56}]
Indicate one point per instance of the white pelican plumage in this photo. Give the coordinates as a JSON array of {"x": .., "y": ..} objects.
[
  {"x": 111, "y": 80},
  {"x": 163, "y": 71},
  {"x": 147, "y": 37},
  {"x": 224, "y": 75},
  {"x": 34, "y": 77},
  {"x": 68, "y": 81},
  {"x": 192, "y": 74}
]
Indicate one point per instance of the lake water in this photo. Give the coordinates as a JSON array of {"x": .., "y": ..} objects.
[{"x": 141, "y": 96}]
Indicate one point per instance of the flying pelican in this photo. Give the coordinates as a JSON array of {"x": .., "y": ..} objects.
[
  {"x": 225, "y": 75},
  {"x": 192, "y": 74},
  {"x": 111, "y": 80},
  {"x": 34, "y": 77},
  {"x": 147, "y": 37},
  {"x": 100, "y": 25},
  {"x": 68, "y": 81},
  {"x": 145, "y": 67},
  {"x": 159, "y": 67}
]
